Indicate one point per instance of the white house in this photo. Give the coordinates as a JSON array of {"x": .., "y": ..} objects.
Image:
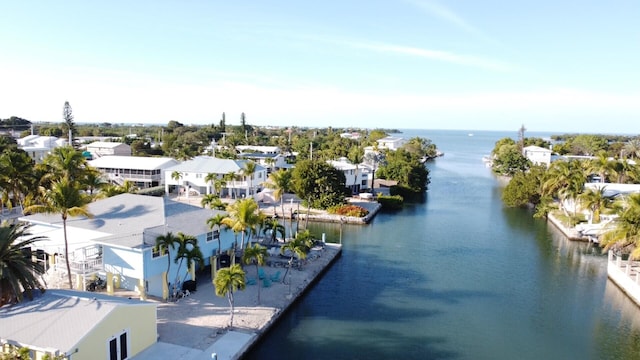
[
  {"x": 119, "y": 240},
  {"x": 391, "y": 143},
  {"x": 537, "y": 155},
  {"x": 192, "y": 174},
  {"x": 268, "y": 161},
  {"x": 356, "y": 176},
  {"x": 100, "y": 148},
  {"x": 144, "y": 172},
  {"x": 38, "y": 147},
  {"x": 258, "y": 149},
  {"x": 79, "y": 325}
]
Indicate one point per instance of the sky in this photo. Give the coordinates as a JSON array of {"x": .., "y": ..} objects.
[{"x": 551, "y": 65}]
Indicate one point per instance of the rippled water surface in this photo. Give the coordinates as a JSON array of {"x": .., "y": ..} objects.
[{"x": 459, "y": 277}]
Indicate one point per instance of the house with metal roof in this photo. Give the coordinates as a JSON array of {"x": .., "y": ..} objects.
[
  {"x": 537, "y": 155},
  {"x": 101, "y": 148},
  {"x": 118, "y": 242},
  {"x": 189, "y": 177},
  {"x": 143, "y": 172},
  {"x": 79, "y": 325}
]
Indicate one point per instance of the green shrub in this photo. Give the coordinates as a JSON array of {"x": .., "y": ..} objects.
[{"x": 391, "y": 202}]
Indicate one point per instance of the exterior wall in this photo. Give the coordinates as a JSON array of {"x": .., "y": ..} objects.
[
  {"x": 196, "y": 182},
  {"x": 138, "y": 320},
  {"x": 620, "y": 274},
  {"x": 127, "y": 264},
  {"x": 538, "y": 157}
]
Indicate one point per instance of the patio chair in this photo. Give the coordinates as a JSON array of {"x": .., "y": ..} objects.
[
  {"x": 251, "y": 281},
  {"x": 275, "y": 277},
  {"x": 266, "y": 283},
  {"x": 261, "y": 274}
]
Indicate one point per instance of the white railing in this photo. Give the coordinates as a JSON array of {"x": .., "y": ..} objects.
[{"x": 86, "y": 260}]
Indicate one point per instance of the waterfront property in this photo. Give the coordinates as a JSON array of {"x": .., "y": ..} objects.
[
  {"x": 118, "y": 242},
  {"x": 78, "y": 325},
  {"x": 537, "y": 155},
  {"x": 143, "y": 172},
  {"x": 193, "y": 174}
]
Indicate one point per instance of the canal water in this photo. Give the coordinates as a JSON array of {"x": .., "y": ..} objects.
[{"x": 458, "y": 277}]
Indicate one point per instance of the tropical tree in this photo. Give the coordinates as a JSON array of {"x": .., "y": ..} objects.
[
  {"x": 93, "y": 180},
  {"x": 19, "y": 273},
  {"x": 217, "y": 222},
  {"x": 188, "y": 250},
  {"x": 273, "y": 228},
  {"x": 64, "y": 198},
  {"x": 297, "y": 247},
  {"x": 595, "y": 200},
  {"x": 177, "y": 176},
  {"x": 243, "y": 217},
  {"x": 65, "y": 161},
  {"x": 16, "y": 177},
  {"x": 70, "y": 126},
  {"x": 319, "y": 183},
  {"x": 247, "y": 171},
  {"x": 164, "y": 243},
  {"x": 212, "y": 201},
  {"x": 625, "y": 235},
  {"x": 632, "y": 148},
  {"x": 255, "y": 255},
  {"x": 601, "y": 165},
  {"x": 215, "y": 182},
  {"x": 230, "y": 178},
  {"x": 227, "y": 281}
]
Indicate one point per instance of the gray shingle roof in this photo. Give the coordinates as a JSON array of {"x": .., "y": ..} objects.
[{"x": 58, "y": 319}]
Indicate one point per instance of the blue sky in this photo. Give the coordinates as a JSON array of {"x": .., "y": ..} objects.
[{"x": 552, "y": 65}]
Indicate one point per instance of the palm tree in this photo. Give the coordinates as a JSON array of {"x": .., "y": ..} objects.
[
  {"x": 242, "y": 217},
  {"x": 227, "y": 281},
  {"x": 66, "y": 199},
  {"x": 16, "y": 177},
  {"x": 601, "y": 165},
  {"x": 248, "y": 171},
  {"x": 626, "y": 233},
  {"x": 216, "y": 222},
  {"x": 211, "y": 179},
  {"x": 177, "y": 176},
  {"x": 595, "y": 201},
  {"x": 93, "y": 180},
  {"x": 188, "y": 250},
  {"x": 298, "y": 247},
  {"x": 633, "y": 148},
  {"x": 65, "y": 161},
  {"x": 273, "y": 227},
  {"x": 209, "y": 200},
  {"x": 18, "y": 271},
  {"x": 255, "y": 255},
  {"x": 228, "y": 178},
  {"x": 164, "y": 243}
]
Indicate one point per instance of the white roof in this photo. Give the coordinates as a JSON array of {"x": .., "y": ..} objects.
[
  {"x": 58, "y": 319},
  {"x": 209, "y": 164},
  {"x": 132, "y": 162},
  {"x": 105, "y": 144},
  {"x": 536, "y": 148},
  {"x": 55, "y": 237},
  {"x": 341, "y": 165}
]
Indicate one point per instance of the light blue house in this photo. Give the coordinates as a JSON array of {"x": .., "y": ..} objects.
[{"x": 118, "y": 242}]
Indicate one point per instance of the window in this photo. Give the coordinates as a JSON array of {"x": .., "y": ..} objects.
[
  {"x": 118, "y": 347},
  {"x": 157, "y": 252},
  {"x": 214, "y": 235}
]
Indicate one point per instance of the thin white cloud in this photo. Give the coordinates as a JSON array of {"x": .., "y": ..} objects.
[
  {"x": 435, "y": 9},
  {"x": 445, "y": 56}
]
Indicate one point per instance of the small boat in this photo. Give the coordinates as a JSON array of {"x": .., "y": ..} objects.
[{"x": 470, "y": 134}]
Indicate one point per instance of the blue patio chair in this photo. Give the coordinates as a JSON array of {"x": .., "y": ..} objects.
[
  {"x": 251, "y": 281},
  {"x": 275, "y": 277},
  {"x": 261, "y": 274},
  {"x": 266, "y": 283}
]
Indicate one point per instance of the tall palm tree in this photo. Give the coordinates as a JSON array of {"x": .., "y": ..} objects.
[
  {"x": 18, "y": 271},
  {"x": 227, "y": 281},
  {"x": 632, "y": 148},
  {"x": 273, "y": 227},
  {"x": 177, "y": 176},
  {"x": 210, "y": 179},
  {"x": 164, "y": 243},
  {"x": 243, "y": 217},
  {"x": 298, "y": 247},
  {"x": 93, "y": 180},
  {"x": 247, "y": 171},
  {"x": 188, "y": 250},
  {"x": 66, "y": 199},
  {"x": 255, "y": 255},
  {"x": 595, "y": 201},
  {"x": 216, "y": 222},
  {"x": 626, "y": 233},
  {"x": 229, "y": 178},
  {"x": 65, "y": 161}
]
